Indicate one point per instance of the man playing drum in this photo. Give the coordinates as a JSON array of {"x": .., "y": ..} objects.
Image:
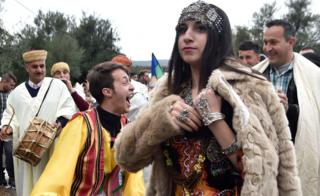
[{"x": 22, "y": 106}]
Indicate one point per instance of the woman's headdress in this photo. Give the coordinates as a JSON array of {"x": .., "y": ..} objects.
[{"x": 203, "y": 12}]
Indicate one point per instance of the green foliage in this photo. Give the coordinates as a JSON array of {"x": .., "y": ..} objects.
[
  {"x": 9, "y": 60},
  {"x": 98, "y": 38},
  {"x": 64, "y": 47},
  {"x": 52, "y": 23},
  {"x": 307, "y": 24},
  {"x": 255, "y": 32},
  {"x": 92, "y": 42},
  {"x": 241, "y": 35},
  {"x": 260, "y": 18}
]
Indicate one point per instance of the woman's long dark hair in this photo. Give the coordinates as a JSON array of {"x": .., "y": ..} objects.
[{"x": 217, "y": 49}]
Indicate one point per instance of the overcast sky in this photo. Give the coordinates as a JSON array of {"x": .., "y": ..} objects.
[{"x": 144, "y": 26}]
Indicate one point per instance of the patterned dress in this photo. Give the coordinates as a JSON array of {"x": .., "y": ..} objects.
[{"x": 198, "y": 165}]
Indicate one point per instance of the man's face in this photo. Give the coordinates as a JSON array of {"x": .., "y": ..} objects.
[
  {"x": 278, "y": 49},
  {"x": 62, "y": 74},
  {"x": 12, "y": 84},
  {"x": 134, "y": 77},
  {"x": 36, "y": 71},
  {"x": 122, "y": 92},
  {"x": 145, "y": 78},
  {"x": 249, "y": 57},
  {"x": 8, "y": 85}
]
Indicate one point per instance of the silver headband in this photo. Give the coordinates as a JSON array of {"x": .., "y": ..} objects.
[{"x": 204, "y": 13}]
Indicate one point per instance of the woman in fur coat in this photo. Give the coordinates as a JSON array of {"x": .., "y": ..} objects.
[{"x": 213, "y": 127}]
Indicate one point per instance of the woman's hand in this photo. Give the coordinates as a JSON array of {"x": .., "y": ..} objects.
[
  {"x": 208, "y": 102},
  {"x": 185, "y": 116}
]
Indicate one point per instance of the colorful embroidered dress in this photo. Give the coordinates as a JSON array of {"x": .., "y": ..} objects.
[
  {"x": 198, "y": 165},
  {"x": 83, "y": 163}
]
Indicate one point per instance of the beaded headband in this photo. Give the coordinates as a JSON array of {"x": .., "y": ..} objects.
[{"x": 204, "y": 13}]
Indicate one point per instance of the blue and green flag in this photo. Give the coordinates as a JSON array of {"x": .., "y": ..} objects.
[{"x": 156, "y": 69}]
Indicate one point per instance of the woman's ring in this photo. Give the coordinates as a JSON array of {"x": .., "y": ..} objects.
[{"x": 183, "y": 115}]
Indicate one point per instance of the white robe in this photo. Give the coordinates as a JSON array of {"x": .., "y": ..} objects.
[
  {"x": 58, "y": 102},
  {"x": 139, "y": 99},
  {"x": 307, "y": 141}
]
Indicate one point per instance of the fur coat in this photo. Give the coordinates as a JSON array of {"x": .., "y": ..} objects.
[{"x": 259, "y": 120}]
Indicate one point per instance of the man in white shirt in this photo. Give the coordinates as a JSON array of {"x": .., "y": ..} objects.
[{"x": 23, "y": 104}]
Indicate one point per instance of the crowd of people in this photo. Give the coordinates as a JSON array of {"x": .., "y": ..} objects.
[{"x": 216, "y": 124}]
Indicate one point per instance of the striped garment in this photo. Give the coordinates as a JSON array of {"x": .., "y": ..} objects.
[
  {"x": 89, "y": 171},
  {"x": 3, "y": 102},
  {"x": 90, "y": 178}
]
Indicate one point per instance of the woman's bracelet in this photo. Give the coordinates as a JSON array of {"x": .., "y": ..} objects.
[
  {"x": 212, "y": 117},
  {"x": 234, "y": 147}
]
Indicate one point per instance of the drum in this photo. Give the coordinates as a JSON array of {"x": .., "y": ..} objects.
[{"x": 36, "y": 140}]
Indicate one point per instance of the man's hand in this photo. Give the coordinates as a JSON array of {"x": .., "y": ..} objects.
[
  {"x": 68, "y": 84},
  {"x": 5, "y": 132},
  {"x": 283, "y": 99},
  {"x": 58, "y": 127}
]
